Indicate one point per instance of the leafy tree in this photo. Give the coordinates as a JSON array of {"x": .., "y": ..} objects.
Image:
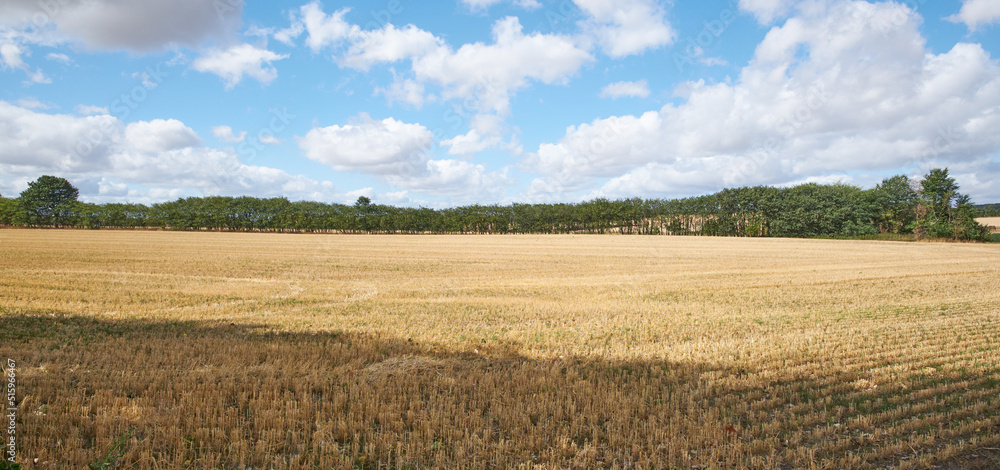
[
  {"x": 896, "y": 201},
  {"x": 49, "y": 200},
  {"x": 10, "y": 212},
  {"x": 943, "y": 212}
]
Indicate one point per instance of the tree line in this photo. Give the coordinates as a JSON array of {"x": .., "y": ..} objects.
[
  {"x": 928, "y": 208},
  {"x": 988, "y": 210}
]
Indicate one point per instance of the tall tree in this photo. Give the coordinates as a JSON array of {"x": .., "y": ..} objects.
[
  {"x": 895, "y": 201},
  {"x": 49, "y": 200},
  {"x": 10, "y": 212},
  {"x": 943, "y": 212}
]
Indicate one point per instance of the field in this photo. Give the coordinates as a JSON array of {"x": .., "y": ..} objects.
[
  {"x": 990, "y": 222},
  {"x": 172, "y": 350}
]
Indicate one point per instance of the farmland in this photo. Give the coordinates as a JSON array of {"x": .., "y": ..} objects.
[
  {"x": 993, "y": 222},
  {"x": 225, "y": 350}
]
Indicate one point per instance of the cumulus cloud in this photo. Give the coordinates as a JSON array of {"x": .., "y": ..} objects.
[
  {"x": 160, "y": 135},
  {"x": 487, "y": 132},
  {"x": 369, "y": 146},
  {"x": 87, "y": 110},
  {"x": 225, "y": 134},
  {"x": 626, "y": 27},
  {"x": 33, "y": 103},
  {"x": 796, "y": 111},
  {"x": 639, "y": 89},
  {"x": 322, "y": 30},
  {"x": 399, "y": 153},
  {"x": 406, "y": 91},
  {"x": 235, "y": 62},
  {"x": 61, "y": 58},
  {"x": 977, "y": 13},
  {"x": 11, "y": 59},
  {"x": 387, "y": 45},
  {"x": 10, "y": 54},
  {"x": 144, "y": 161},
  {"x": 493, "y": 72},
  {"x": 490, "y": 73},
  {"x": 459, "y": 180},
  {"x": 766, "y": 11}
]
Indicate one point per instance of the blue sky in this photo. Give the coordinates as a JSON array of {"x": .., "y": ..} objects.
[{"x": 443, "y": 103}]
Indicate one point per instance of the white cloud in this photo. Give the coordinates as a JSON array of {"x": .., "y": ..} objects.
[
  {"x": 386, "y": 147},
  {"x": 387, "y": 45},
  {"x": 626, "y": 27},
  {"x": 160, "y": 135},
  {"x": 409, "y": 92},
  {"x": 470, "y": 143},
  {"x": 322, "y": 30},
  {"x": 486, "y": 132},
  {"x": 10, "y": 58},
  {"x": 10, "y": 53},
  {"x": 766, "y": 11},
  {"x": 107, "y": 188},
  {"x": 459, "y": 180},
  {"x": 399, "y": 153},
  {"x": 225, "y": 134},
  {"x": 66, "y": 143},
  {"x": 234, "y": 63},
  {"x": 832, "y": 90},
  {"x": 491, "y": 73},
  {"x": 61, "y": 58},
  {"x": 484, "y": 76},
  {"x": 977, "y": 13},
  {"x": 33, "y": 103},
  {"x": 639, "y": 89},
  {"x": 288, "y": 35},
  {"x": 145, "y": 161},
  {"x": 269, "y": 139},
  {"x": 87, "y": 110}
]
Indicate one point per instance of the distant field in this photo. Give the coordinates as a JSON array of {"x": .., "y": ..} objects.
[
  {"x": 209, "y": 350},
  {"x": 991, "y": 222}
]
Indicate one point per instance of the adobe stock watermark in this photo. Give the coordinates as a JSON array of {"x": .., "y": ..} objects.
[
  {"x": 456, "y": 116},
  {"x": 278, "y": 122},
  {"x": 49, "y": 9},
  {"x": 706, "y": 39},
  {"x": 10, "y": 443},
  {"x": 945, "y": 140},
  {"x": 816, "y": 99},
  {"x": 121, "y": 107},
  {"x": 885, "y": 25},
  {"x": 565, "y": 11}
]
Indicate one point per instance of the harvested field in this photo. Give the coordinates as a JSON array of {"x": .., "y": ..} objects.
[
  {"x": 210, "y": 350},
  {"x": 992, "y": 222}
]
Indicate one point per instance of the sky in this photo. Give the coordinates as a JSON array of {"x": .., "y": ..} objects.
[{"x": 446, "y": 103}]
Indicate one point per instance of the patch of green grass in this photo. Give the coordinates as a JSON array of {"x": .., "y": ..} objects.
[
  {"x": 995, "y": 238},
  {"x": 115, "y": 452}
]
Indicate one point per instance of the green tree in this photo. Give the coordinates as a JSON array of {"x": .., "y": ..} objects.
[
  {"x": 943, "y": 212},
  {"x": 10, "y": 211},
  {"x": 896, "y": 201},
  {"x": 49, "y": 200}
]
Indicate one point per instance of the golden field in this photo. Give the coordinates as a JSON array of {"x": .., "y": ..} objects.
[
  {"x": 990, "y": 222},
  {"x": 168, "y": 350}
]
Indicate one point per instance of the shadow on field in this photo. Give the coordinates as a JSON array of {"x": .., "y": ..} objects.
[{"x": 142, "y": 394}]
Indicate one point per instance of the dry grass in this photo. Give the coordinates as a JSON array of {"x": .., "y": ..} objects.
[
  {"x": 235, "y": 351},
  {"x": 993, "y": 222}
]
